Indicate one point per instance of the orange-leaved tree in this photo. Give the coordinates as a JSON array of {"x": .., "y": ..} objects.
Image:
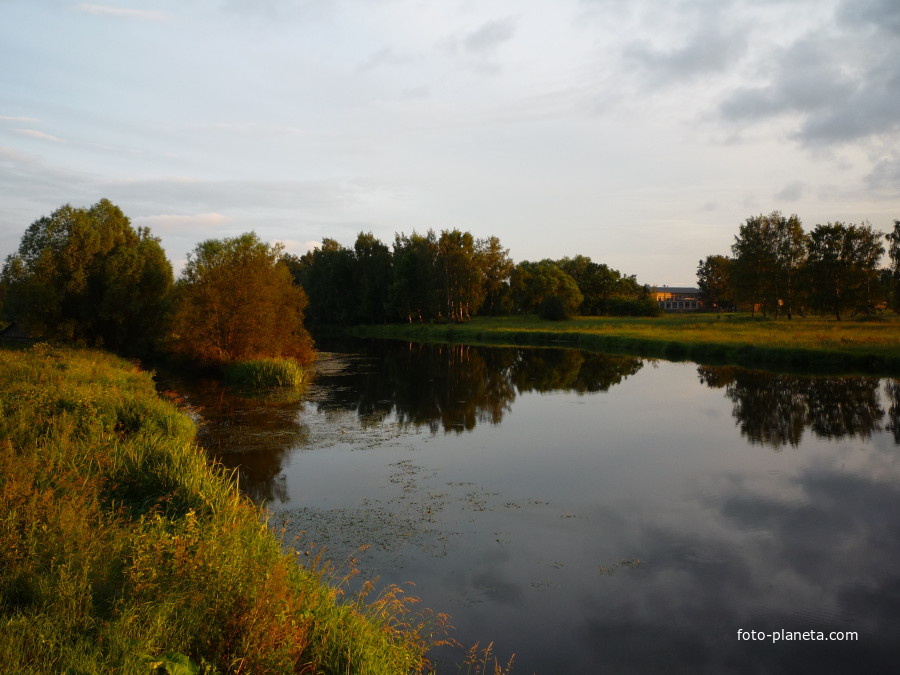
[{"x": 236, "y": 300}]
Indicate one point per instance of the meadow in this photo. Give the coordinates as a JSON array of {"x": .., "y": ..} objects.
[{"x": 812, "y": 343}]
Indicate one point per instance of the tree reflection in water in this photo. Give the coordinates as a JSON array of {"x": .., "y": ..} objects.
[
  {"x": 249, "y": 433},
  {"x": 456, "y": 387},
  {"x": 893, "y": 393},
  {"x": 775, "y": 409}
]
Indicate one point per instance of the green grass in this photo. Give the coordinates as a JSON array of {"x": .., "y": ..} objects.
[
  {"x": 120, "y": 547},
  {"x": 265, "y": 373},
  {"x": 871, "y": 346}
]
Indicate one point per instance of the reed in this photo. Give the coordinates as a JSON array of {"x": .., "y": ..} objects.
[
  {"x": 260, "y": 373},
  {"x": 123, "y": 550}
]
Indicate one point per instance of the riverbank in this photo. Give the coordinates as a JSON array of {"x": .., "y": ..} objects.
[
  {"x": 122, "y": 549},
  {"x": 814, "y": 344}
]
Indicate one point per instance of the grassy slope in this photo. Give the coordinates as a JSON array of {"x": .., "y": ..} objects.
[
  {"x": 816, "y": 343},
  {"x": 119, "y": 544}
]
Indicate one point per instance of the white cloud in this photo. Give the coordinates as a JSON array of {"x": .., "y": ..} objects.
[
  {"x": 122, "y": 12},
  {"x": 34, "y": 133},
  {"x": 176, "y": 222}
]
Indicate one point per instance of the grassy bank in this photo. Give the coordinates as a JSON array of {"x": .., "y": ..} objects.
[
  {"x": 121, "y": 548},
  {"x": 869, "y": 346}
]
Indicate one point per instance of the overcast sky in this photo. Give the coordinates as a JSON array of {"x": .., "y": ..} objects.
[{"x": 640, "y": 133}]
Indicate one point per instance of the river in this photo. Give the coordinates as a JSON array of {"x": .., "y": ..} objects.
[{"x": 593, "y": 513}]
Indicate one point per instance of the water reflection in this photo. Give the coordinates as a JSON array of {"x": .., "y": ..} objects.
[
  {"x": 775, "y": 409},
  {"x": 513, "y": 526},
  {"x": 456, "y": 387},
  {"x": 893, "y": 395},
  {"x": 249, "y": 433}
]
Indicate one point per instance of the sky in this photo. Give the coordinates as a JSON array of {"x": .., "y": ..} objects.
[{"x": 640, "y": 133}]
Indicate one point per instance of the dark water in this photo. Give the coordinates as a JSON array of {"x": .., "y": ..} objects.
[{"x": 595, "y": 513}]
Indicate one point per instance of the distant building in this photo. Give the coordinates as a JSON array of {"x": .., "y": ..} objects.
[
  {"x": 14, "y": 333},
  {"x": 678, "y": 298}
]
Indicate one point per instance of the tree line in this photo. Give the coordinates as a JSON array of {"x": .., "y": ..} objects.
[
  {"x": 778, "y": 268},
  {"x": 451, "y": 277},
  {"x": 87, "y": 276}
]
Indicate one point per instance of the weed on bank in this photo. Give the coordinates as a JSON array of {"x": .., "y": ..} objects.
[{"x": 123, "y": 550}]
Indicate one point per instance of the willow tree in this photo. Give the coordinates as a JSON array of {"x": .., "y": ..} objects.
[{"x": 236, "y": 299}]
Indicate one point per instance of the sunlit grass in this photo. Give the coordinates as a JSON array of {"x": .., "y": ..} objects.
[
  {"x": 812, "y": 342},
  {"x": 120, "y": 547},
  {"x": 265, "y": 373}
]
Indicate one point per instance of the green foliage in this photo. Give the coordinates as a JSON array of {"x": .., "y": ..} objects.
[
  {"x": 531, "y": 282},
  {"x": 769, "y": 253},
  {"x": 495, "y": 265},
  {"x": 552, "y": 308},
  {"x": 714, "y": 278},
  {"x": 893, "y": 238},
  {"x": 86, "y": 275},
  {"x": 265, "y": 373},
  {"x": 120, "y": 547},
  {"x": 602, "y": 287},
  {"x": 236, "y": 300},
  {"x": 843, "y": 268}
]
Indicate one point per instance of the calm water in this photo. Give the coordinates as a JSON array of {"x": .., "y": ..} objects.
[{"x": 595, "y": 513}]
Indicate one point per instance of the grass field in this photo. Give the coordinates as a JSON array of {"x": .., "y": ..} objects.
[
  {"x": 122, "y": 550},
  {"x": 814, "y": 343}
]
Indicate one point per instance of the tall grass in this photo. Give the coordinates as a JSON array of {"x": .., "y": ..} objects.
[
  {"x": 265, "y": 373},
  {"x": 121, "y": 548}
]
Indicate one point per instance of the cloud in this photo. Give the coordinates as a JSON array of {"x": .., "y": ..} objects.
[
  {"x": 885, "y": 175},
  {"x": 833, "y": 91},
  {"x": 122, "y": 12},
  {"x": 34, "y": 133},
  {"x": 385, "y": 57},
  {"x": 791, "y": 192},
  {"x": 706, "y": 51},
  {"x": 174, "y": 222},
  {"x": 297, "y": 247},
  {"x": 8, "y": 118},
  {"x": 488, "y": 37}
]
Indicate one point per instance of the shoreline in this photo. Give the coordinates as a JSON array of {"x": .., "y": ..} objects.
[{"x": 813, "y": 345}]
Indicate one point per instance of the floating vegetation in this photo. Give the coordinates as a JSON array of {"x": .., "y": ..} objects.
[{"x": 627, "y": 562}]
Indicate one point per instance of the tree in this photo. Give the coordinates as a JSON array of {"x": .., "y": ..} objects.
[
  {"x": 414, "y": 293},
  {"x": 532, "y": 282},
  {"x": 842, "y": 267},
  {"x": 459, "y": 281},
  {"x": 893, "y": 239},
  {"x": 237, "y": 300},
  {"x": 495, "y": 266},
  {"x": 373, "y": 275},
  {"x": 328, "y": 276},
  {"x": 88, "y": 276},
  {"x": 601, "y": 286},
  {"x": 768, "y": 256},
  {"x": 714, "y": 280}
]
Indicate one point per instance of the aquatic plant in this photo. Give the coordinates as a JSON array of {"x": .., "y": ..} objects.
[{"x": 270, "y": 372}]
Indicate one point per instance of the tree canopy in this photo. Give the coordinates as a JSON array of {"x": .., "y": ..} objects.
[
  {"x": 237, "y": 300},
  {"x": 86, "y": 275}
]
